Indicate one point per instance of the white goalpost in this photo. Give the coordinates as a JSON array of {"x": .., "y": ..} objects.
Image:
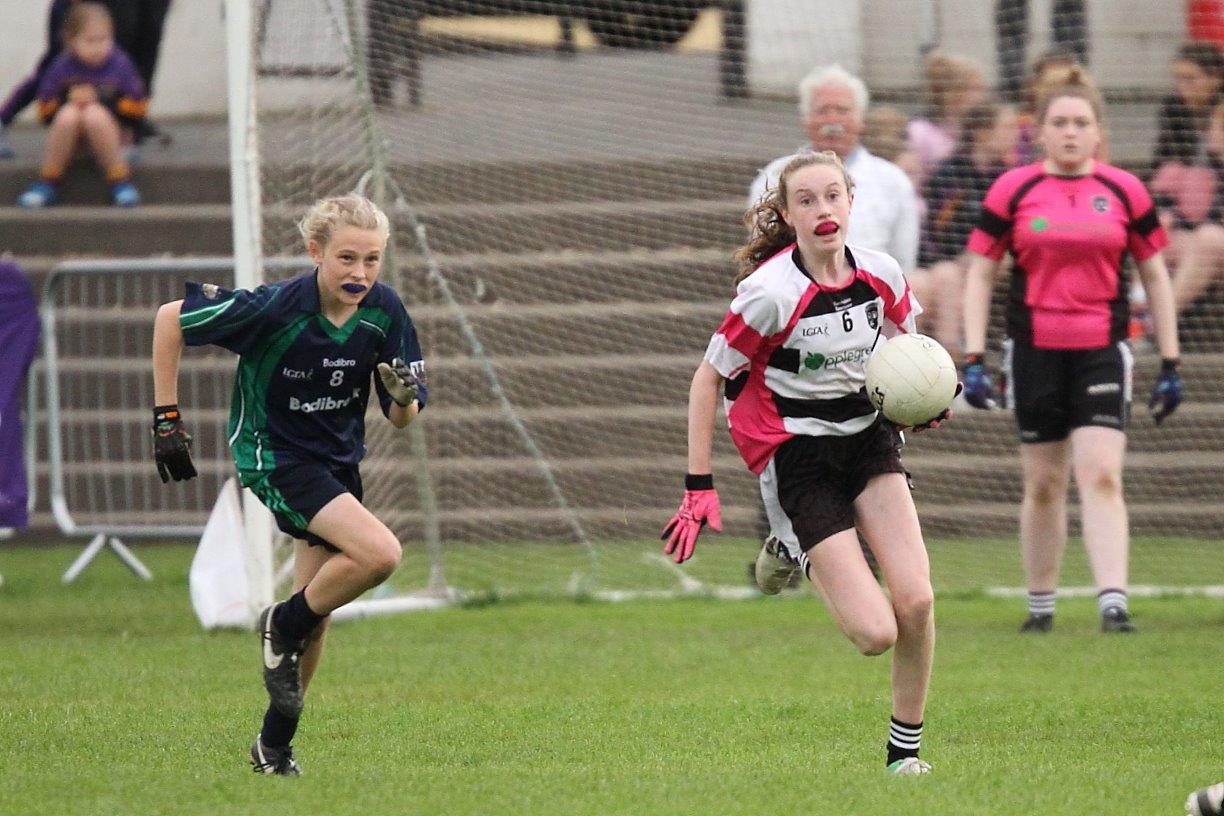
[{"x": 565, "y": 195}]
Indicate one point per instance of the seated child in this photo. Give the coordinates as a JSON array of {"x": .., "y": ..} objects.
[{"x": 89, "y": 93}]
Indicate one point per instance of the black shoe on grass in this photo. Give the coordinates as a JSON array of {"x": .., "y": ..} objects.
[
  {"x": 1115, "y": 619},
  {"x": 282, "y": 670},
  {"x": 277, "y": 761},
  {"x": 1037, "y": 623}
]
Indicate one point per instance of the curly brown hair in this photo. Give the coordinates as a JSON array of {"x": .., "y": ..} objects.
[{"x": 770, "y": 233}]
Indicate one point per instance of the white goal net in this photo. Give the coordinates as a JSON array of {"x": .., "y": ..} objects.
[{"x": 566, "y": 183}]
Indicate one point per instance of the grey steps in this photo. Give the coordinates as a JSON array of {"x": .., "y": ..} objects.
[
  {"x": 84, "y": 184},
  {"x": 624, "y": 429},
  {"x": 205, "y": 228},
  {"x": 450, "y": 183},
  {"x": 606, "y": 374}
]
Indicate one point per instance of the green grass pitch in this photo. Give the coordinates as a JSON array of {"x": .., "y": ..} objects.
[{"x": 113, "y": 701}]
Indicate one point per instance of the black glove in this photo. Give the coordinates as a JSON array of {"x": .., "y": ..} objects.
[
  {"x": 399, "y": 381},
  {"x": 171, "y": 445}
]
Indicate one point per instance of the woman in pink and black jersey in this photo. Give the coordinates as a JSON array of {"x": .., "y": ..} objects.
[
  {"x": 1069, "y": 222},
  {"x": 790, "y": 355}
]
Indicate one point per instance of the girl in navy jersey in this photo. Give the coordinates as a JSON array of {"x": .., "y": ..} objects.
[
  {"x": 1069, "y": 222},
  {"x": 307, "y": 348},
  {"x": 790, "y": 357}
]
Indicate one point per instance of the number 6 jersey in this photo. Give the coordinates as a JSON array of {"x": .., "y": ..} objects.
[{"x": 794, "y": 351}]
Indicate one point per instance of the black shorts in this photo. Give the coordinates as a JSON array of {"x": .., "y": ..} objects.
[
  {"x": 1055, "y": 391},
  {"x": 296, "y": 493},
  {"x": 810, "y": 485}
]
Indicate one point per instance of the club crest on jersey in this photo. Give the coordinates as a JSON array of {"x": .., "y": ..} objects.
[
  {"x": 813, "y": 361},
  {"x": 210, "y": 291},
  {"x": 1100, "y": 204},
  {"x": 873, "y": 315}
]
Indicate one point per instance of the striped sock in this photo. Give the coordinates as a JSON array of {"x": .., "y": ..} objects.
[
  {"x": 1111, "y": 599},
  {"x": 1041, "y": 603},
  {"x": 903, "y": 740}
]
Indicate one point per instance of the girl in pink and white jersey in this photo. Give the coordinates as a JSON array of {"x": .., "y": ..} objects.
[
  {"x": 789, "y": 357},
  {"x": 1069, "y": 222}
]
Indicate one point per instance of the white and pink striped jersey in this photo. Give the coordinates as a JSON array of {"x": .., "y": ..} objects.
[{"x": 794, "y": 352}]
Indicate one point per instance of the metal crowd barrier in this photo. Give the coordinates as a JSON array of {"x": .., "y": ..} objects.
[{"x": 97, "y": 325}]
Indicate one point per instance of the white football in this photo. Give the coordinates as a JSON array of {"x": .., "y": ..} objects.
[{"x": 911, "y": 379}]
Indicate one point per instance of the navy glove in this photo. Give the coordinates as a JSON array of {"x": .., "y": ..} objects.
[
  {"x": 1167, "y": 393},
  {"x": 171, "y": 445},
  {"x": 979, "y": 390}
]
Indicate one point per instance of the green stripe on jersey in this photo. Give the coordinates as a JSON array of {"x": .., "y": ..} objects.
[
  {"x": 249, "y": 412},
  {"x": 199, "y": 317}
]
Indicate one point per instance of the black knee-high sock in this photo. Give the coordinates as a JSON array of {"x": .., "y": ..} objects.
[
  {"x": 278, "y": 730},
  {"x": 294, "y": 618}
]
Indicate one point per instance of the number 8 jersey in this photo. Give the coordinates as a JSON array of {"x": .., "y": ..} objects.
[
  {"x": 794, "y": 352},
  {"x": 302, "y": 383}
]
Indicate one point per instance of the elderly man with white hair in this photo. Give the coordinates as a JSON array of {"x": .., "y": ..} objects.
[{"x": 832, "y": 104}]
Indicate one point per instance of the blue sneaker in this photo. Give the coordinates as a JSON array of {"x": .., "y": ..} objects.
[
  {"x": 125, "y": 194},
  {"x": 38, "y": 195}
]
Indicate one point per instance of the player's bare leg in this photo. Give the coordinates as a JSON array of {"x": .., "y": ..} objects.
[
  {"x": 874, "y": 624},
  {"x": 369, "y": 554},
  {"x": 855, "y": 600},
  {"x": 886, "y": 516},
  {"x": 1097, "y": 455},
  {"x": 1046, "y": 469}
]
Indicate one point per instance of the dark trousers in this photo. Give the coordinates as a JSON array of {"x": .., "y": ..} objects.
[{"x": 1069, "y": 24}]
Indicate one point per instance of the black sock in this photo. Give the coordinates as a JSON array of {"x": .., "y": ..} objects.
[
  {"x": 903, "y": 740},
  {"x": 278, "y": 730},
  {"x": 294, "y": 618}
]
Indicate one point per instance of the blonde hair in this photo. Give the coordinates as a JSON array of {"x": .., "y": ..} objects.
[
  {"x": 82, "y": 15},
  {"x": 331, "y": 214},
  {"x": 946, "y": 76},
  {"x": 770, "y": 232}
]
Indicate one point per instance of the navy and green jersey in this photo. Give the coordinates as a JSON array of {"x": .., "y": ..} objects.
[{"x": 302, "y": 383}]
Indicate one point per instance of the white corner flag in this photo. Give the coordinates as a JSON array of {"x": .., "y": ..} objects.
[{"x": 218, "y": 577}]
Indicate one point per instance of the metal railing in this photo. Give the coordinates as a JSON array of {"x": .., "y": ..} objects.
[{"x": 97, "y": 319}]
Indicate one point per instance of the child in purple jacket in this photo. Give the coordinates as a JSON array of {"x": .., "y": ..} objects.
[{"x": 89, "y": 93}]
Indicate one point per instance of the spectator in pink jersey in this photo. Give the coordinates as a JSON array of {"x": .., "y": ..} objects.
[
  {"x": 1069, "y": 222},
  {"x": 790, "y": 357}
]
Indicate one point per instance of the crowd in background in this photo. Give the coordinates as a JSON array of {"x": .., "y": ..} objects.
[{"x": 965, "y": 138}]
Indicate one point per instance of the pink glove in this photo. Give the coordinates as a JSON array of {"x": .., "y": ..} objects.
[{"x": 700, "y": 507}]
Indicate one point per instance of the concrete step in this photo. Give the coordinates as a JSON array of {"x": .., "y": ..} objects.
[
  {"x": 522, "y": 228},
  {"x": 84, "y": 184},
  {"x": 582, "y": 329},
  {"x": 425, "y": 184}
]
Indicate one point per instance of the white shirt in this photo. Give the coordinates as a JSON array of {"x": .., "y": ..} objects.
[{"x": 884, "y": 216}]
